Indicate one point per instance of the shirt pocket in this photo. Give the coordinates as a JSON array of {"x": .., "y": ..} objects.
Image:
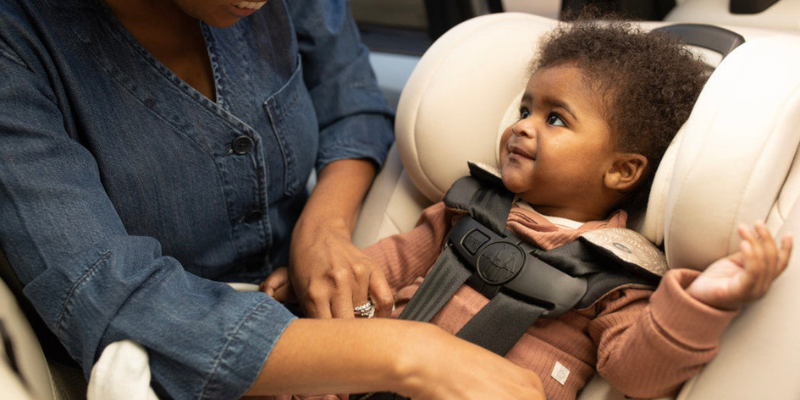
[{"x": 294, "y": 123}]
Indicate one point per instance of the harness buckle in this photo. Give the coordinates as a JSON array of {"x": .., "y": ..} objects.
[{"x": 509, "y": 264}]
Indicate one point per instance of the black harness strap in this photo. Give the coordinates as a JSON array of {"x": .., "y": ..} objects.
[
  {"x": 500, "y": 324},
  {"x": 442, "y": 282},
  {"x": 487, "y": 205}
]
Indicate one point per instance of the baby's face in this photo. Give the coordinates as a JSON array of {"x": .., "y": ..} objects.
[{"x": 556, "y": 155}]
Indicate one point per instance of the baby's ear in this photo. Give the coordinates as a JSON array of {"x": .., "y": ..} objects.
[{"x": 625, "y": 172}]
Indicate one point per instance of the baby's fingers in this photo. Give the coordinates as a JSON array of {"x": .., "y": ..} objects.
[
  {"x": 768, "y": 245},
  {"x": 763, "y": 260},
  {"x": 749, "y": 280},
  {"x": 757, "y": 275},
  {"x": 785, "y": 252}
]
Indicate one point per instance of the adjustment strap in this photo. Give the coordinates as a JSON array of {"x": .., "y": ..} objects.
[
  {"x": 446, "y": 276},
  {"x": 500, "y": 324},
  {"x": 491, "y": 207}
]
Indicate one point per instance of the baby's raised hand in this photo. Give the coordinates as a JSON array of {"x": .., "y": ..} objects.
[{"x": 731, "y": 282}]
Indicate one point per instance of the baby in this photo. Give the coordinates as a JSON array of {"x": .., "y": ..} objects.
[{"x": 599, "y": 110}]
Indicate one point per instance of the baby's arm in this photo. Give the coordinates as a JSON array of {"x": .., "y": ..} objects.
[
  {"x": 649, "y": 350},
  {"x": 741, "y": 278}
]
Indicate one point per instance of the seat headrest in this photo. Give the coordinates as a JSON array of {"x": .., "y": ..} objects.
[
  {"x": 737, "y": 149},
  {"x": 452, "y": 105}
]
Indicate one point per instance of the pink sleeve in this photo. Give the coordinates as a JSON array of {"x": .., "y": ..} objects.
[
  {"x": 650, "y": 350},
  {"x": 406, "y": 256}
]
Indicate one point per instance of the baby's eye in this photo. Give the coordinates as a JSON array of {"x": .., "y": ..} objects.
[
  {"x": 524, "y": 113},
  {"x": 555, "y": 120}
]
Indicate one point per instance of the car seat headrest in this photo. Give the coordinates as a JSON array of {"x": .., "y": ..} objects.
[
  {"x": 452, "y": 105},
  {"x": 737, "y": 149}
]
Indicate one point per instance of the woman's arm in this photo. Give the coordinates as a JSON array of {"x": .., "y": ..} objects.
[
  {"x": 416, "y": 360},
  {"x": 329, "y": 274}
]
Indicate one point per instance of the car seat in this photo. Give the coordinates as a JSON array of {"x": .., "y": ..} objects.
[
  {"x": 26, "y": 373},
  {"x": 735, "y": 160}
]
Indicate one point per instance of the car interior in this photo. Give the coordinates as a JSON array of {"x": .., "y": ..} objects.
[{"x": 735, "y": 160}]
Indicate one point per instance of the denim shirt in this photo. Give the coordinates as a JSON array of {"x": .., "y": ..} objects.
[{"x": 127, "y": 197}]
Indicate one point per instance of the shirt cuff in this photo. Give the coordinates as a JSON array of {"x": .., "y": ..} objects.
[
  {"x": 685, "y": 319},
  {"x": 363, "y": 136},
  {"x": 242, "y": 360}
]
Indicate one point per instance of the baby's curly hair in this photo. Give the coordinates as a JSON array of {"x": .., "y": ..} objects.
[{"x": 649, "y": 82}]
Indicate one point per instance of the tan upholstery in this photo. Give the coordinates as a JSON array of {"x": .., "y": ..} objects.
[
  {"x": 785, "y": 14},
  {"x": 34, "y": 384},
  {"x": 735, "y": 161}
]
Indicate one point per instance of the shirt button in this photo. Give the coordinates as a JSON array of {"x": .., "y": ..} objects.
[{"x": 242, "y": 144}]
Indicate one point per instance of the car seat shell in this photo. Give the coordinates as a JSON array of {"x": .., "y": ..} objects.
[{"x": 734, "y": 161}]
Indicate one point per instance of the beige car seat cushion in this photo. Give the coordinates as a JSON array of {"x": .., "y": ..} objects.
[{"x": 737, "y": 148}]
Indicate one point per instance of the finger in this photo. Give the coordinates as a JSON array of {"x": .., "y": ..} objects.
[
  {"x": 381, "y": 294},
  {"x": 278, "y": 278},
  {"x": 361, "y": 294},
  {"x": 316, "y": 302},
  {"x": 769, "y": 247},
  {"x": 755, "y": 264},
  {"x": 785, "y": 252},
  {"x": 264, "y": 287},
  {"x": 285, "y": 294},
  {"x": 764, "y": 249},
  {"x": 341, "y": 303},
  {"x": 747, "y": 280}
]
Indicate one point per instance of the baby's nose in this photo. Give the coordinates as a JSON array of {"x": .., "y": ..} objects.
[{"x": 523, "y": 127}]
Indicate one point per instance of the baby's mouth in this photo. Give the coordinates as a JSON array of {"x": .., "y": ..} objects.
[{"x": 521, "y": 152}]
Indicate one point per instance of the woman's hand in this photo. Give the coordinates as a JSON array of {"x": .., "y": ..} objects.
[
  {"x": 746, "y": 276},
  {"x": 329, "y": 274},
  {"x": 453, "y": 368}
]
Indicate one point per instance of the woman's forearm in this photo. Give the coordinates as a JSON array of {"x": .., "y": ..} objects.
[
  {"x": 340, "y": 356},
  {"x": 416, "y": 360},
  {"x": 337, "y": 196}
]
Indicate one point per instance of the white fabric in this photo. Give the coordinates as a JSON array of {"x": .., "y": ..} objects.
[{"x": 121, "y": 373}]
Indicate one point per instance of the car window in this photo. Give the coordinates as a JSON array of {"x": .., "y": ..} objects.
[{"x": 408, "y": 14}]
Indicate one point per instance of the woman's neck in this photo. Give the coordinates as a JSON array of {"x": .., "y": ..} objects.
[{"x": 171, "y": 36}]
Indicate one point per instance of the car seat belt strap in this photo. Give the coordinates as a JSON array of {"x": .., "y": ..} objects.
[
  {"x": 500, "y": 324},
  {"x": 442, "y": 282}
]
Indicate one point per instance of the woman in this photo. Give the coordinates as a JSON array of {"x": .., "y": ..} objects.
[{"x": 145, "y": 158}]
